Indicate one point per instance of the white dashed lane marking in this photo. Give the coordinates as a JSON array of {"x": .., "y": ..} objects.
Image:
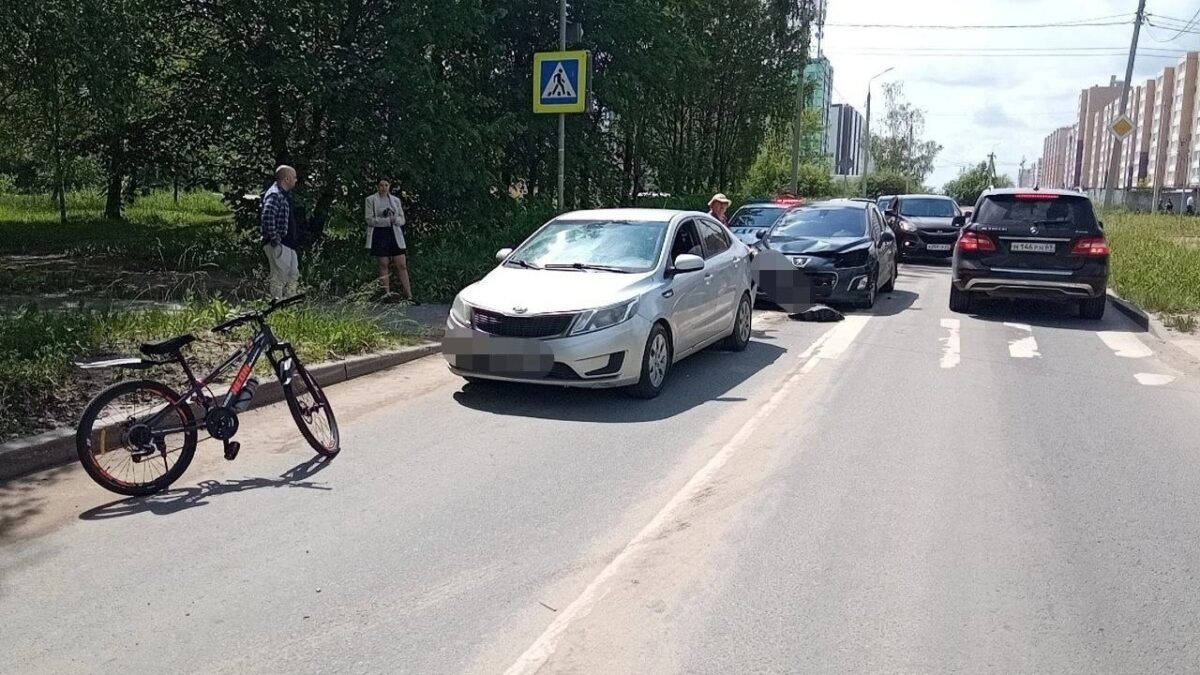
[
  {"x": 1125, "y": 344},
  {"x": 1024, "y": 347},
  {"x": 952, "y": 343}
]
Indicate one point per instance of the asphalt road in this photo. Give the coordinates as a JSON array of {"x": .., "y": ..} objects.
[{"x": 905, "y": 491}]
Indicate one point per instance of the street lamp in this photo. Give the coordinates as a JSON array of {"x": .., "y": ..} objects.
[{"x": 867, "y": 150}]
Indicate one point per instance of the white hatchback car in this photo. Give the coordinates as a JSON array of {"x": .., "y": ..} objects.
[{"x": 604, "y": 298}]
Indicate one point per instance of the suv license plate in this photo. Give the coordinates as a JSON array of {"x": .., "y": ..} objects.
[
  {"x": 938, "y": 247},
  {"x": 1031, "y": 247}
]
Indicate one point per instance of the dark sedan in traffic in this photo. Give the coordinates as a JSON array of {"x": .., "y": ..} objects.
[{"x": 842, "y": 248}]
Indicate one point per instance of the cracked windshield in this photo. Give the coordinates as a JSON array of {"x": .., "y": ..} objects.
[{"x": 641, "y": 337}]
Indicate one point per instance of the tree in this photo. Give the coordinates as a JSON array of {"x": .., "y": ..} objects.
[
  {"x": 901, "y": 148},
  {"x": 771, "y": 171},
  {"x": 886, "y": 182},
  {"x": 970, "y": 183}
]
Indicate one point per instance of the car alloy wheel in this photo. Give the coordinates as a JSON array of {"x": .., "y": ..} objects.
[
  {"x": 743, "y": 319},
  {"x": 660, "y": 355}
]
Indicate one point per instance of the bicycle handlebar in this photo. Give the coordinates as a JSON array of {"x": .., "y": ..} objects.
[{"x": 275, "y": 305}]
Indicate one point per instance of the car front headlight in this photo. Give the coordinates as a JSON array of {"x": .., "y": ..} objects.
[
  {"x": 460, "y": 311},
  {"x": 907, "y": 226},
  {"x": 605, "y": 317}
]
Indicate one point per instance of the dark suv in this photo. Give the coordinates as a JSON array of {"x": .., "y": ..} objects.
[{"x": 1032, "y": 244}]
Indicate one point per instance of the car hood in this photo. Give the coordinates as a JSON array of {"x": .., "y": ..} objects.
[
  {"x": 818, "y": 245},
  {"x": 926, "y": 223},
  {"x": 505, "y": 289}
]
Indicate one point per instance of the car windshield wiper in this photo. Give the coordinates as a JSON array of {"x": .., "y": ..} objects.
[
  {"x": 525, "y": 263},
  {"x": 586, "y": 266}
]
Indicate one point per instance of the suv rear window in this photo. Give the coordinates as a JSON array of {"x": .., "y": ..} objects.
[{"x": 1055, "y": 211}]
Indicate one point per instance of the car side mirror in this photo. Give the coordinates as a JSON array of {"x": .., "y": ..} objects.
[
  {"x": 887, "y": 236},
  {"x": 687, "y": 262},
  {"x": 890, "y": 213},
  {"x": 959, "y": 221},
  {"x": 503, "y": 254},
  {"x": 761, "y": 234}
]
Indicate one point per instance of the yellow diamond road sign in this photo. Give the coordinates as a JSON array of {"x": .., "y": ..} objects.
[{"x": 1121, "y": 127}]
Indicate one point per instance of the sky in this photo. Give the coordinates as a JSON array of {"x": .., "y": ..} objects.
[{"x": 1023, "y": 85}]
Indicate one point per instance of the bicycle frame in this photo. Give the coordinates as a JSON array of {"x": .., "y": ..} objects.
[{"x": 264, "y": 342}]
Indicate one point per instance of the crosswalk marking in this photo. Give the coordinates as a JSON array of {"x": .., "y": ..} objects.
[
  {"x": 1125, "y": 344},
  {"x": 1153, "y": 379},
  {"x": 1025, "y": 347},
  {"x": 951, "y": 344}
]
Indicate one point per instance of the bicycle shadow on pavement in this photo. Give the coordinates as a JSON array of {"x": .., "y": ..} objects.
[{"x": 181, "y": 499}]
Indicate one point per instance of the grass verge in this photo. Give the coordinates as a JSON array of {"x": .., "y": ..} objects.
[
  {"x": 1156, "y": 264},
  {"x": 41, "y": 389}
]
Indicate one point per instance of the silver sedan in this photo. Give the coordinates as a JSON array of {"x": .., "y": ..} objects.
[{"x": 604, "y": 298}]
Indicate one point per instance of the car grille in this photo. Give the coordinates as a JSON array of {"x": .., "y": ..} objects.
[
  {"x": 544, "y": 326},
  {"x": 940, "y": 236}
]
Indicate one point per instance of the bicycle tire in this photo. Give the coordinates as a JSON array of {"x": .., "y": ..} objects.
[
  {"x": 303, "y": 414},
  {"x": 100, "y": 474}
]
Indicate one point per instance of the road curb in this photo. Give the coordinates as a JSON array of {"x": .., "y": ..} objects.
[
  {"x": 1136, "y": 314},
  {"x": 57, "y": 447}
]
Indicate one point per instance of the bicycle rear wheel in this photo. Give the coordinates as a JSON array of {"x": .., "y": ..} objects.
[
  {"x": 136, "y": 438},
  {"x": 311, "y": 410}
]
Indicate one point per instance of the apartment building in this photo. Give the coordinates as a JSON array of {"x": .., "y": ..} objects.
[
  {"x": 1163, "y": 149},
  {"x": 845, "y": 139},
  {"x": 1129, "y": 164},
  {"x": 1058, "y": 157},
  {"x": 1183, "y": 118},
  {"x": 1160, "y": 130},
  {"x": 1091, "y": 101}
]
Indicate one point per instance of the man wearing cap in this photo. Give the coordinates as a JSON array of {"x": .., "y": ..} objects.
[{"x": 717, "y": 207}]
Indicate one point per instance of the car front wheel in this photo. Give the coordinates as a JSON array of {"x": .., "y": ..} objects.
[{"x": 656, "y": 364}]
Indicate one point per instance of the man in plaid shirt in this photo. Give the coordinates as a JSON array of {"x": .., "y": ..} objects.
[{"x": 279, "y": 233}]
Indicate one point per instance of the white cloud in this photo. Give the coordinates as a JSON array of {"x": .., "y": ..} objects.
[{"x": 1004, "y": 102}]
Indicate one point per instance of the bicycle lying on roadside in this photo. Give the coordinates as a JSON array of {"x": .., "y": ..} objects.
[{"x": 137, "y": 437}]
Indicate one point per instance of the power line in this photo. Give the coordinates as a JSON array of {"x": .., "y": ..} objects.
[
  {"x": 1018, "y": 49},
  {"x": 1013, "y": 26},
  {"x": 1045, "y": 55}
]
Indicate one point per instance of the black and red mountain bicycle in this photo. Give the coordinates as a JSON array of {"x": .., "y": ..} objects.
[{"x": 139, "y": 436}]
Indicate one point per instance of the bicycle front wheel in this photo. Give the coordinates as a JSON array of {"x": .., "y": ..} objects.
[
  {"x": 311, "y": 410},
  {"x": 136, "y": 438}
]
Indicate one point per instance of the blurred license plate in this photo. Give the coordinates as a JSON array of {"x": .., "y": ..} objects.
[
  {"x": 938, "y": 247},
  {"x": 1031, "y": 247}
]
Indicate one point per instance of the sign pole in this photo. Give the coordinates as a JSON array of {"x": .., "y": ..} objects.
[
  {"x": 562, "y": 119},
  {"x": 1114, "y": 162}
]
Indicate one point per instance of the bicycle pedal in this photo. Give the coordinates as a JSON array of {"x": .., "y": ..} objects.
[{"x": 231, "y": 450}]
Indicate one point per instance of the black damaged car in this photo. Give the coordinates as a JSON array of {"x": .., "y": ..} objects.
[{"x": 842, "y": 247}]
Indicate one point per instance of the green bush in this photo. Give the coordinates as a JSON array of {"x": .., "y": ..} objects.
[{"x": 38, "y": 382}]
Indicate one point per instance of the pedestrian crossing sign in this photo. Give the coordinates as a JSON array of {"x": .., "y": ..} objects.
[{"x": 560, "y": 82}]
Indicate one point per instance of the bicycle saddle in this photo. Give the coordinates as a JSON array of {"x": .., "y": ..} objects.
[{"x": 168, "y": 346}]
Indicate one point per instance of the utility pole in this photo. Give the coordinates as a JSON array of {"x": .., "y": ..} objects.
[
  {"x": 796, "y": 131},
  {"x": 1021, "y": 174},
  {"x": 991, "y": 169},
  {"x": 799, "y": 121},
  {"x": 867, "y": 135},
  {"x": 562, "y": 118},
  {"x": 1110, "y": 181}
]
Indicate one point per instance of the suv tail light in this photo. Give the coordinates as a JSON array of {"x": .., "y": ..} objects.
[
  {"x": 973, "y": 241},
  {"x": 1092, "y": 247}
]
